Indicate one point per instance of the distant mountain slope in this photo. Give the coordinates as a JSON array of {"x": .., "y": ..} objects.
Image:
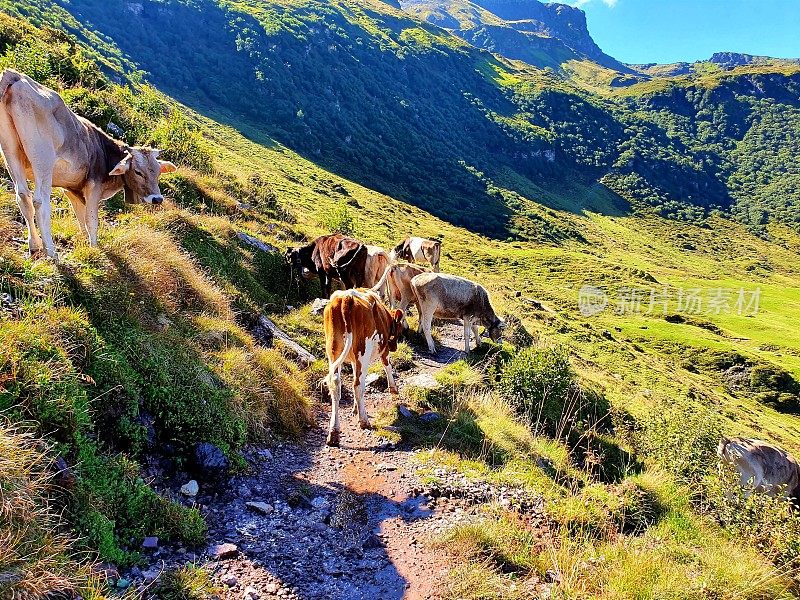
[
  {"x": 543, "y": 35},
  {"x": 724, "y": 60},
  {"x": 373, "y": 92}
]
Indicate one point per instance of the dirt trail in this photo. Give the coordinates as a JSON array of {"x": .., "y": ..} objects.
[{"x": 339, "y": 523}]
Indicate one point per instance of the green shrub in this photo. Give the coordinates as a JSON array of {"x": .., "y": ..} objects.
[
  {"x": 186, "y": 583},
  {"x": 90, "y": 104},
  {"x": 181, "y": 143},
  {"x": 539, "y": 383},
  {"x": 340, "y": 218},
  {"x": 681, "y": 436}
]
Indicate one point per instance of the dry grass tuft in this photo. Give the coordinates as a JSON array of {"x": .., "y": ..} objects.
[
  {"x": 269, "y": 391},
  {"x": 162, "y": 271},
  {"x": 35, "y": 556}
]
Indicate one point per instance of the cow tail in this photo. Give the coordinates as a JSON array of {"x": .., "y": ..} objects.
[
  {"x": 347, "y": 308},
  {"x": 437, "y": 255},
  {"x": 379, "y": 287},
  {"x": 7, "y": 79}
]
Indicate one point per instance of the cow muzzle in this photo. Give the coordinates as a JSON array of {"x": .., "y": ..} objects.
[{"x": 155, "y": 199}]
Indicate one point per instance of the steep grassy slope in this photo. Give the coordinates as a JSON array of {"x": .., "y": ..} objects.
[{"x": 127, "y": 358}]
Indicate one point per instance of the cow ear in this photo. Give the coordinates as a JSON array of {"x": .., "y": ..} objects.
[
  {"x": 122, "y": 166},
  {"x": 167, "y": 167}
]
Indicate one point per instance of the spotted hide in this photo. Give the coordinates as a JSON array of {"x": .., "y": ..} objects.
[
  {"x": 359, "y": 329},
  {"x": 417, "y": 249}
]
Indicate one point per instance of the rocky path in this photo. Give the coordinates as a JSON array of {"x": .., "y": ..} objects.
[{"x": 312, "y": 522}]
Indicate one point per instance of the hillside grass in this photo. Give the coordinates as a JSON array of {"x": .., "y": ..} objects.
[{"x": 647, "y": 252}]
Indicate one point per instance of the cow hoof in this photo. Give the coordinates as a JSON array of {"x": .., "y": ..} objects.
[
  {"x": 364, "y": 425},
  {"x": 333, "y": 439},
  {"x": 394, "y": 391}
]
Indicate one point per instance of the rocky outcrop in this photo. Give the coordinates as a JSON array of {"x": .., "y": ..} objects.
[{"x": 528, "y": 30}]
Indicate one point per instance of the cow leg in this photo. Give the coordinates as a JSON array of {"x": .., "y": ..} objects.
[
  {"x": 79, "y": 206},
  {"x": 426, "y": 323},
  {"x": 43, "y": 180},
  {"x": 360, "y": 369},
  {"x": 477, "y": 332},
  {"x": 325, "y": 284},
  {"x": 334, "y": 381},
  {"x": 22, "y": 191},
  {"x": 387, "y": 366},
  {"x": 26, "y": 207},
  {"x": 92, "y": 215},
  {"x": 467, "y": 332}
]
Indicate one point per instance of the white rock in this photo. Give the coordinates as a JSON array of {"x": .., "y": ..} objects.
[
  {"x": 319, "y": 305},
  {"x": 190, "y": 489},
  {"x": 423, "y": 380},
  {"x": 251, "y": 593},
  {"x": 229, "y": 579}
]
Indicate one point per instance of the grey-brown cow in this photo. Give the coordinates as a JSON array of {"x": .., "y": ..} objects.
[
  {"x": 450, "y": 297},
  {"x": 44, "y": 141},
  {"x": 761, "y": 466}
]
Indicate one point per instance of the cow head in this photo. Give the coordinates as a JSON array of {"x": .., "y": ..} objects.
[
  {"x": 397, "y": 328},
  {"x": 140, "y": 170},
  {"x": 299, "y": 259},
  {"x": 399, "y": 252},
  {"x": 495, "y": 329},
  {"x": 292, "y": 258}
]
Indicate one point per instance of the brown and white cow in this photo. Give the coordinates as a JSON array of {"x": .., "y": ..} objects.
[
  {"x": 397, "y": 280},
  {"x": 417, "y": 249},
  {"x": 761, "y": 466},
  {"x": 451, "y": 297},
  {"x": 359, "y": 265},
  {"x": 359, "y": 329},
  {"x": 44, "y": 141}
]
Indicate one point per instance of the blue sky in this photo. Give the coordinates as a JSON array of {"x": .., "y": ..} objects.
[{"x": 663, "y": 31}]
